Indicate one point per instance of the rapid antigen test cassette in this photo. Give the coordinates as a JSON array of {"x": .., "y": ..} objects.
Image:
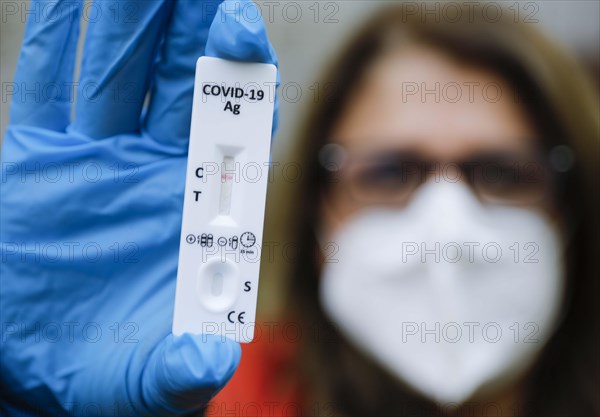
[{"x": 224, "y": 203}]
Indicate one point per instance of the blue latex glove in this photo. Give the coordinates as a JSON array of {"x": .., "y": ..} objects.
[{"x": 91, "y": 210}]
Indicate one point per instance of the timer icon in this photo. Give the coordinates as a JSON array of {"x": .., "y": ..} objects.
[{"x": 247, "y": 239}]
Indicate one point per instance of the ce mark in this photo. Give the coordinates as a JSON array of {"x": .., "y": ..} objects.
[{"x": 240, "y": 317}]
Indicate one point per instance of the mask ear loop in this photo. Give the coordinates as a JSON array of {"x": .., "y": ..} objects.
[
  {"x": 561, "y": 159},
  {"x": 319, "y": 232}
]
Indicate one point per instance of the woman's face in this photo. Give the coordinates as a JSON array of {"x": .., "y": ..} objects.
[
  {"x": 411, "y": 256},
  {"x": 422, "y": 102}
]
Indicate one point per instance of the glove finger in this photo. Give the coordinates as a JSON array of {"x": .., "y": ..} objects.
[
  {"x": 119, "y": 56},
  {"x": 169, "y": 113},
  {"x": 186, "y": 371},
  {"x": 238, "y": 33},
  {"x": 42, "y": 92}
]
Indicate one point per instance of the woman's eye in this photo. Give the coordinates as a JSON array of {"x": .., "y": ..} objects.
[
  {"x": 385, "y": 175},
  {"x": 512, "y": 182},
  {"x": 502, "y": 175}
]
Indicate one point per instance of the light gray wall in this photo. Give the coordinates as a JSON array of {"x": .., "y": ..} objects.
[{"x": 305, "y": 41}]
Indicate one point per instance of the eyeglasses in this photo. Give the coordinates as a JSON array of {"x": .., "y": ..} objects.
[{"x": 392, "y": 177}]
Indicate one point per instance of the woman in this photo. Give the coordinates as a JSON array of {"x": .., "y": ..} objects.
[{"x": 449, "y": 190}]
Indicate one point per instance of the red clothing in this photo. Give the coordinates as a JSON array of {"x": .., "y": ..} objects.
[{"x": 266, "y": 382}]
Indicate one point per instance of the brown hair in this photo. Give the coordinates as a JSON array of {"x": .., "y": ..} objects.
[{"x": 562, "y": 102}]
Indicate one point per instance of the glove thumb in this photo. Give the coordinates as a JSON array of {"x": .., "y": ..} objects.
[{"x": 184, "y": 372}]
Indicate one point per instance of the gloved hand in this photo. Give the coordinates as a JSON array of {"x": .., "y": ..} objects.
[{"x": 91, "y": 210}]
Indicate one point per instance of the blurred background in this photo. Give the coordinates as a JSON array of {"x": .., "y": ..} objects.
[{"x": 306, "y": 33}]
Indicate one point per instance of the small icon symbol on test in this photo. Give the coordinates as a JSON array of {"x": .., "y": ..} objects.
[
  {"x": 206, "y": 240},
  {"x": 222, "y": 241},
  {"x": 240, "y": 317},
  {"x": 191, "y": 239},
  {"x": 233, "y": 242},
  {"x": 248, "y": 239}
]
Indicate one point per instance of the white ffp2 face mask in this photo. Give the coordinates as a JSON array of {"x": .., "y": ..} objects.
[{"x": 447, "y": 294}]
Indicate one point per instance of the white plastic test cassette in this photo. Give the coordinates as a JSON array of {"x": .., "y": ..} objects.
[{"x": 225, "y": 193}]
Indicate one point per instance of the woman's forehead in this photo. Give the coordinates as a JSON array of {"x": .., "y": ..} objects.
[{"x": 420, "y": 97}]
